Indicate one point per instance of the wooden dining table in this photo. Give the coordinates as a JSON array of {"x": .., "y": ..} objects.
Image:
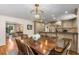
[{"x": 43, "y": 47}]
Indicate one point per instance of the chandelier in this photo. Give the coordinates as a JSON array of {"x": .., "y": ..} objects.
[{"x": 37, "y": 11}]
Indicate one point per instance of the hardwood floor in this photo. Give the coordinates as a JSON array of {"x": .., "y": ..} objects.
[{"x": 3, "y": 50}]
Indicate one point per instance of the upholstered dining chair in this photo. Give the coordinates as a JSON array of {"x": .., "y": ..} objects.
[
  {"x": 61, "y": 51},
  {"x": 65, "y": 50},
  {"x": 25, "y": 36},
  {"x": 30, "y": 51},
  {"x": 21, "y": 49},
  {"x": 24, "y": 49}
]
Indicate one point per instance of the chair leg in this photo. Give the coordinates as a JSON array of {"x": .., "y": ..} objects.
[{"x": 67, "y": 52}]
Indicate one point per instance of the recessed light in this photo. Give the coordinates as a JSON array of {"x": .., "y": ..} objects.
[{"x": 66, "y": 12}]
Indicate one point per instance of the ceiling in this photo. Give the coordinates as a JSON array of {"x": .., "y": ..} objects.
[{"x": 24, "y": 10}]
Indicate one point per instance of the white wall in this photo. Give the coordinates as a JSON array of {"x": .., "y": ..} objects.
[{"x": 24, "y": 22}]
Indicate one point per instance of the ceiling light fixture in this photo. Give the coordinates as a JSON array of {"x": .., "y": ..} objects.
[{"x": 37, "y": 11}]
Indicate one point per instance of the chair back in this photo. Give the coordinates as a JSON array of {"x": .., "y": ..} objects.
[
  {"x": 21, "y": 49},
  {"x": 66, "y": 49},
  {"x": 24, "y": 48},
  {"x": 25, "y": 36},
  {"x": 30, "y": 51}
]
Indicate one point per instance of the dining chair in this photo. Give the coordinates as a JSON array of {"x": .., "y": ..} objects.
[
  {"x": 65, "y": 50},
  {"x": 61, "y": 51},
  {"x": 29, "y": 41},
  {"x": 23, "y": 48},
  {"x": 30, "y": 50},
  {"x": 25, "y": 36}
]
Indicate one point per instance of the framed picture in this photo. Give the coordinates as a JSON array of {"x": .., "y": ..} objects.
[
  {"x": 9, "y": 29},
  {"x": 29, "y": 27}
]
